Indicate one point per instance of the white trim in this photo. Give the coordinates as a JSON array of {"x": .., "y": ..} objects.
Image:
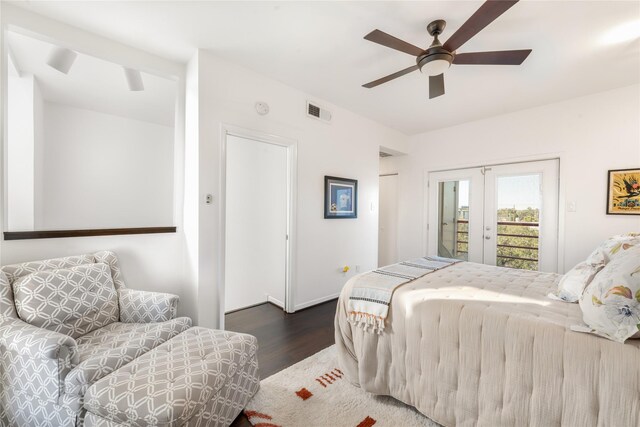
[
  {"x": 560, "y": 156},
  {"x": 476, "y": 215},
  {"x": 50, "y": 30},
  {"x": 316, "y": 301},
  {"x": 498, "y": 162},
  {"x": 275, "y": 301},
  {"x": 17, "y": 19},
  {"x": 292, "y": 201},
  {"x": 562, "y": 209}
]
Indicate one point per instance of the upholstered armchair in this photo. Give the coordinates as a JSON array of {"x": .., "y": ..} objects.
[{"x": 65, "y": 324}]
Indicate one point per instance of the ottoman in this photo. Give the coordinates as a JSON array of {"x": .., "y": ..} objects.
[{"x": 201, "y": 377}]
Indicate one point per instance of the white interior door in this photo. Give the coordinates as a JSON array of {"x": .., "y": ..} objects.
[
  {"x": 455, "y": 214},
  {"x": 388, "y": 220},
  {"x": 256, "y": 223},
  {"x": 521, "y": 215},
  {"x": 505, "y": 215}
]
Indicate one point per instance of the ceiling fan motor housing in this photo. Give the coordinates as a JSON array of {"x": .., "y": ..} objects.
[
  {"x": 437, "y": 58},
  {"x": 434, "y": 53}
]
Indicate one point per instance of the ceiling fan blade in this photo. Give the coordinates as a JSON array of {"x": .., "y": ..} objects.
[
  {"x": 436, "y": 86},
  {"x": 388, "y": 40},
  {"x": 484, "y": 16},
  {"x": 390, "y": 77},
  {"x": 500, "y": 57}
]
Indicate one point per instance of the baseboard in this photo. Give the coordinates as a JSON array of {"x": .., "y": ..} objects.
[
  {"x": 316, "y": 301},
  {"x": 275, "y": 301},
  {"x": 244, "y": 308}
]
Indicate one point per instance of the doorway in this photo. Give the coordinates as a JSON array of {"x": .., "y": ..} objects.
[
  {"x": 388, "y": 220},
  {"x": 258, "y": 217},
  {"x": 504, "y": 215}
]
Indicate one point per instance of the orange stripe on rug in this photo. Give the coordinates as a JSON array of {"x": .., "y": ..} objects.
[
  {"x": 252, "y": 414},
  {"x": 367, "y": 422}
]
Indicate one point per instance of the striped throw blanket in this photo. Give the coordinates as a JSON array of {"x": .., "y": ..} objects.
[{"x": 371, "y": 293}]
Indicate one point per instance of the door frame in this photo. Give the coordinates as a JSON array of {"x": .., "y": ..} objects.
[
  {"x": 397, "y": 177},
  {"x": 559, "y": 156},
  {"x": 475, "y": 221},
  {"x": 548, "y": 171},
  {"x": 292, "y": 200}
]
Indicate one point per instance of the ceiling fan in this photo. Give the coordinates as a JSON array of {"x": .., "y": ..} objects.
[{"x": 438, "y": 57}]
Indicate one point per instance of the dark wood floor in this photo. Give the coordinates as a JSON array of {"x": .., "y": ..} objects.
[{"x": 283, "y": 339}]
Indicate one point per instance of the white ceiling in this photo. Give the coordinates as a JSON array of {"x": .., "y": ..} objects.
[
  {"x": 94, "y": 84},
  {"x": 318, "y": 47}
]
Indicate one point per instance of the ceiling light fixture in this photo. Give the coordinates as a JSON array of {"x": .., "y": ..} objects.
[
  {"x": 436, "y": 59},
  {"x": 62, "y": 59},
  {"x": 134, "y": 79},
  {"x": 434, "y": 66},
  {"x": 622, "y": 33}
]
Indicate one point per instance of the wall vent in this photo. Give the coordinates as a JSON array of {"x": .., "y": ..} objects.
[{"x": 317, "y": 112}]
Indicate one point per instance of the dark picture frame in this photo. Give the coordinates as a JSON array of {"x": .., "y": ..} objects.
[
  {"x": 340, "y": 197},
  {"x": 623, "y": 191}
]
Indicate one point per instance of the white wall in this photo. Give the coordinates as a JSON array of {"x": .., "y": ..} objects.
[
  {"x": 21, "y": 148},
  {"x": 121, "y": 167},
  {"x": 388, "y": 220},
  {"x": 591, "y": 134},
  {"x": 38, "y": 156},
  {"x": 256, "y": 223},
  {"x": 149, "y": 262},
  {"x": 215, "y": 92},
  {"x": 347, "y": 147}
]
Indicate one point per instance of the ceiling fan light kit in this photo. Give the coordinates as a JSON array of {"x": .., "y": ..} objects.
[{"x": 437, "y": 58}]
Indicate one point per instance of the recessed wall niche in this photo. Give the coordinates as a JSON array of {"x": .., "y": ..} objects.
[{"x": 89, "y": 143}]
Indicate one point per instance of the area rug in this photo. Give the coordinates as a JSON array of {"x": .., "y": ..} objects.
[{"x": 314, "y": 392}]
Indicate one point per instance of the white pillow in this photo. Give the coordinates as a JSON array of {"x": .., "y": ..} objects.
[
  {"x": 572, "y": 284},
  {"x": 611, "y": 303},
  {"x": 613, "y": 247},
  {"x": 576, "y": 280}
]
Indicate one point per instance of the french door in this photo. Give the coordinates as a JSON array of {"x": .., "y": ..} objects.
[{"x": 505, "y": 215}]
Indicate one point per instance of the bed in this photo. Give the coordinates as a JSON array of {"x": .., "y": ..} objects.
[{"x": 472, "y": 344}]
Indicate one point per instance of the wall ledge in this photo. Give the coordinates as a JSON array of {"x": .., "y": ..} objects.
[{"x": 56, "y": 234}]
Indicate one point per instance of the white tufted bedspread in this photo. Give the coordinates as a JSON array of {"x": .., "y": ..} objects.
[{"x": 476, "y": 345}]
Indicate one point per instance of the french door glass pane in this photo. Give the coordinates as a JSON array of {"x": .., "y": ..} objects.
[
  {"x": 453, "y": 219},
  {"x": 518, "y": 221}
]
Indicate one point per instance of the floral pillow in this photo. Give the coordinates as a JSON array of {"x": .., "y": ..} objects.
[
  {"x": 613, "y": 247},
  {"x": 611, "y": 303},
  {"x": 572, "y": 284}
]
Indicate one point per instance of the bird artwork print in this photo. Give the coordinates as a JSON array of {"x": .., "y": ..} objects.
[{"x": 624, "y": 192}]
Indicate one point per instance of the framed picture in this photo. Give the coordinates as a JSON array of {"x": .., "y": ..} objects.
[
  {"x": 623, "y": 192},
  {"x": 340, "y": 197}
]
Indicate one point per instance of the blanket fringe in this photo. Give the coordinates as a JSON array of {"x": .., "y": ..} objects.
[{"x": 367, "y": 321}]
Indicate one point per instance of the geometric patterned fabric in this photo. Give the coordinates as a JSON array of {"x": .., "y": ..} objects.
[
  {"x": 107, "y": 349},
  {"x": 145, "y": 307},
  {"x": 76, "y": 324},
  {"x": 73, "y": 301},
  {"x": 178, "y": 380}
]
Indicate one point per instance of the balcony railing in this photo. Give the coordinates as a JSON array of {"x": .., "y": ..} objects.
[{"x": 514, "y": 248}]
